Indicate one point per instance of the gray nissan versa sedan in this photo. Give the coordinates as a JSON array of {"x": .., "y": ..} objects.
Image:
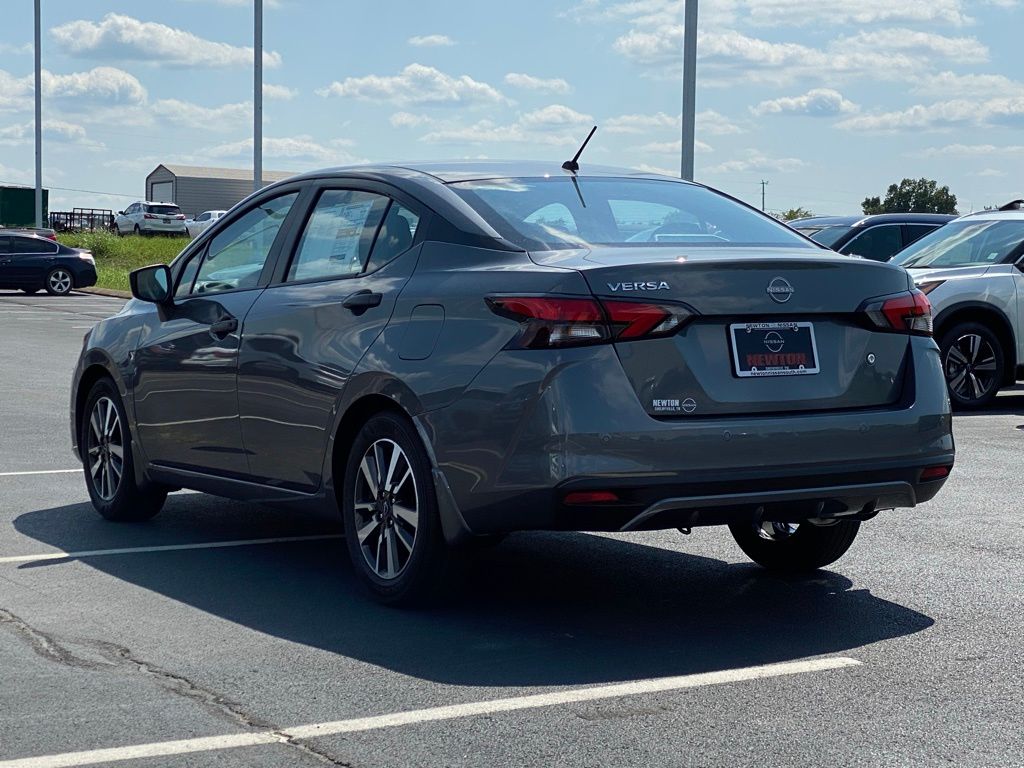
[{"x": 447, "y": 353}]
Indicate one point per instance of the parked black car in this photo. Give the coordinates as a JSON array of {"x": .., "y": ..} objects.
[
  {"x": 32, "y": 262},
  {"x": 876, "y": 237}
]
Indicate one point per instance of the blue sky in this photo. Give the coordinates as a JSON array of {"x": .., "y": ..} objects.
[{"x": 828, "y": 100}]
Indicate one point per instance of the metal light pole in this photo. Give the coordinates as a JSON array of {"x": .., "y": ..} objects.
[
  {"x": 257, "y": 97},
  {"x": 689, "y": 88},
  {"x": 39, "y": 121}
]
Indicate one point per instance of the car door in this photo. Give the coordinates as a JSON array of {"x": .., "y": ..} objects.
[
  {"x": 877, "y": 243},
  {"x": 6, "y": 280},
  {"x": 306, "y": 334},
  {"x": 186, "y": 361},
  {"x": 29, "y": 259}
]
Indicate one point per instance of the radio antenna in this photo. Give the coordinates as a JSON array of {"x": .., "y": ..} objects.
[{"x": 573, "y": 165}]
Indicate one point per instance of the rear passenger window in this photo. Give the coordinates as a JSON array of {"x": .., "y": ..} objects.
[
  {"x": 338, "y": 236},
  {"x": 877, "y": 243},
  {"x": 917, "y": 231},
  {"x": 395, "y": 236},
  {"x": 32, "y": 245}
]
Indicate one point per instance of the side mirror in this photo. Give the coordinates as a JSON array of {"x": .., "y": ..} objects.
[
  {"x": 120, "y": 213},
  {"x": 151, "y": 284}
]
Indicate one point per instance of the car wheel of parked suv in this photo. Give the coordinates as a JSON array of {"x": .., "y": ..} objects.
[
  {"x": 59, "y": 282},
  {"x": 390, "y": 512},
  {"x": 795, "y": 547},
  {"x": 973, "y": 362},
  {"x": 105, "y": 446}
]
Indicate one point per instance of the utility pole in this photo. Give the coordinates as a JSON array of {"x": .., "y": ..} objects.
[
  {"x": 39, "y": 120},
  {"x": 257, "y": 97},
  {"x": 689, "y": 88},
  {"x": 763, "y": 185}
]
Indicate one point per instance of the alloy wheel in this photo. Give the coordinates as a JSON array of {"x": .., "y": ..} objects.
[
  {"x": 105, "y": 448},
  {"x": 970, "y": 367},
  {"x": 60, "y": 281},
  {"x": 386, "y": 508},
  {"x": 773, "y": 531}
]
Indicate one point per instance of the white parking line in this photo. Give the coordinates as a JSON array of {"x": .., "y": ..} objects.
[
  {"x": 434, "y": 714},
  {"x": 62, "y": 555},
  {"x": 40, "y": 472}
]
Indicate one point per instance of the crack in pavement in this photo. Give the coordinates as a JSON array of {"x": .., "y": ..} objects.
[{"x": 118, "y": 658}]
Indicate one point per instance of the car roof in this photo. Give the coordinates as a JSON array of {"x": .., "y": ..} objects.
[
  {"x": 475, "y": 170},
  {"x": 994, "y": 216},
  {"x": 156, "y": 202},
  {"x": 878, "y": 218}
]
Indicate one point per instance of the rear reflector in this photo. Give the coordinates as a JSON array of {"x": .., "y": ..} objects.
[
  {"x": 909, "y": 312},
  {"x": 564, "y": 322},
  {"x": 935, "y": 473},
  {"x": 590, "y": 497}
]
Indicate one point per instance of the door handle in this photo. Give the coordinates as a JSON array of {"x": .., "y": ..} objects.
[
  {"x": 222, "y": 328},
  {"x": 360, "y": 301}
]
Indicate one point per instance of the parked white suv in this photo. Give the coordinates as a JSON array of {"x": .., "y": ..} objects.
[
  {"x": 198, "y": 225},
  {"x": 972, "y": 270},
  {"x": 146, "y": 218}
]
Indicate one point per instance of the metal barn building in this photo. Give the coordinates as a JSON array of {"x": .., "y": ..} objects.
[{"x": 196, "y": 189}]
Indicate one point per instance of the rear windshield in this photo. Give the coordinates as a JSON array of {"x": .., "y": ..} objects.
[
  {"x": 964, "y": 243},
  {"x": 828, "y": 236},
  {"x": 555, "y": 213},
  {"x": 163, "y": 210}
]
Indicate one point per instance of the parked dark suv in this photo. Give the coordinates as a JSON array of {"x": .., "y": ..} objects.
[
  {"x": 876, "y": 237},
  {"x": 455, "y": 351}
]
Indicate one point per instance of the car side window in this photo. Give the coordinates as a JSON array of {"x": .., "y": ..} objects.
[
  {"x": 876, "y": 243},
  {"x": 203, "y": 216},
  {"x": 235, "y": 257},
  {"x": 338, "y": 236},
  {"x": 5, "y": 245},
  {"x": 188, "y": 275},
  {"x": 395, "y": 237},
  {"x": 33, "y": 245},
  {"x": 916, "y": 232}
]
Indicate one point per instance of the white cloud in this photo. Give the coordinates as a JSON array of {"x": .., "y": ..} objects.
[
  {"x": 431, "y": 41},
  {"x": 408, "y": 120},
  {"x": 59, "y": 131},
  {"x": 489, "y": 132},
  {"x": 15, "y": 93},
  {"x": 952, "y": 85},
  {"x": 942, "y": 115},
  {"x": 531, "y": 83},
  {"x": 290, "y": 147},
  {"x": 120, "y": 37},
  {"x": 102, "y": 84},
  {"x": 972, "y": 150},
  {"x": 671, "y": 147},
  {"x": 554, "y": 115},
  {"x": 19, "y": 50},
  {"x": 989, "y": 173},
  {"x": 415, "y": 84},
  {"x": 226, "y": 117},
  {"x": 819, "y": 102},
  {"x": 843, "y": 12},
  {"x": 760, "y": 163},
  {"x": 963, "y": 49},
  {"x": 279, "y": 92},
  {"x": 708, "y": 122}
]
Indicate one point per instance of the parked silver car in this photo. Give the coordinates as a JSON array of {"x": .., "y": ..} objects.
[
  {"x": 198, "y": 225},
  {"x": 145, "y": 218},
  {"x": 972, "y": 270}
]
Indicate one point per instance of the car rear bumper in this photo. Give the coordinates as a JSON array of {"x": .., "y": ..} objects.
[
  {"x": 523, "y": 437},
  {"x": 178, "y": 228}
]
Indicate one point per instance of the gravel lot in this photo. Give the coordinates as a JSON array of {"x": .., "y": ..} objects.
[{"x": 245, "y": 647}]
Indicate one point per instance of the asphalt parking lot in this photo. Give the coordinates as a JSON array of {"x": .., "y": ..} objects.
[{"x": 232, "y": 635}]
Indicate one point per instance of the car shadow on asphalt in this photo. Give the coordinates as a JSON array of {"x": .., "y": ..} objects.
[
  {"x": 539, "y": 609},
  {"x": 1006, "y": 404}
]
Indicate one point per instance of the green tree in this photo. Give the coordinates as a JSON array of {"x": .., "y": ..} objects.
[
  {"x": 913, "y": 196},
  {"x": 796, "y": 213}
]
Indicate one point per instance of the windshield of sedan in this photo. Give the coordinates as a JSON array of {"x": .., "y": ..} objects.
[
  {"x": 964, "y": 243},
  {"x": 827, "y": 236},
  {"x": 555, "y": 213}
]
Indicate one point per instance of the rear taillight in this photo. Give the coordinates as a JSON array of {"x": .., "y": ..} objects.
[
  {"x": 909, "y": 312},
  {"x": 180, "y": 217},
  {"x": 569, "y": 322},
  {"x": 148, "y": 216}
]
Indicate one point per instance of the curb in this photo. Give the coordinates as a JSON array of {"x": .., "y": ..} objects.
[{"x": 107, "y": 292}]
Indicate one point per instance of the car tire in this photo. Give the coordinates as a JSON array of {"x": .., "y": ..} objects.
[
  {"x": 795, "y": 548},
  {"x": 392, "y": 527},
  {"x": 973, "y": 364},
  {"x": 137, "y": 232},
  {"x": 103, "y": 433},
  {"x": 59, "y": 281}
]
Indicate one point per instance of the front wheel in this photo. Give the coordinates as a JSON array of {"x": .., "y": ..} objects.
[
  {"x": 59, "y": 282},
  {"x": 795, "y": 547},
  {"x": 392, "y": 528},
  {"x": 105, "y": 445},
  {"x": 973, "y": 362}
]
